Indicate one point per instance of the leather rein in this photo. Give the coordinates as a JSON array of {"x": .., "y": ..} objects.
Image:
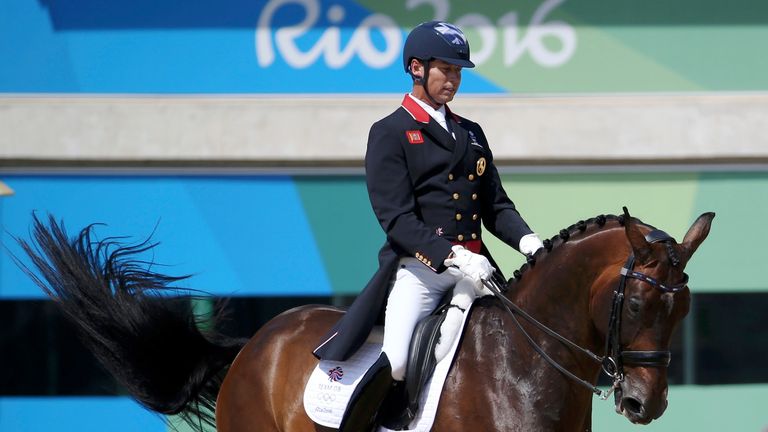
[{"x": 615, "y": 358}]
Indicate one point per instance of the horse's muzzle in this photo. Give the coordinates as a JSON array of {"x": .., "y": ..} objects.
[{"x": 639, "y": 410}]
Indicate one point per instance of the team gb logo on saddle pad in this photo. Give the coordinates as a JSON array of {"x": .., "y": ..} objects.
[
  {"x": 335, "y": 374},
  {"x": 326, "y": 394}
]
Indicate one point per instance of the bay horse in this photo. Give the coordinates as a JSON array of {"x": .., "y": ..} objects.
[{"x": 610, "y": 285}]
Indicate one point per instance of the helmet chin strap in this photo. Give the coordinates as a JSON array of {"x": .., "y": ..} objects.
[{"x": 423, "y": 82}]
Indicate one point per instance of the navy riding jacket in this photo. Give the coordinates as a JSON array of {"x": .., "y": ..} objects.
[{"x": 429, "y": 191}]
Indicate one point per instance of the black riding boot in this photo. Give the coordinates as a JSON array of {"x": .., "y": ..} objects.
[
  {"x": 397, "y": 413},
  {"x": 364, "y": 404}
]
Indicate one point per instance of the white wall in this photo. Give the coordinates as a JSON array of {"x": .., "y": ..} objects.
[{"x": 614, "y": 128}]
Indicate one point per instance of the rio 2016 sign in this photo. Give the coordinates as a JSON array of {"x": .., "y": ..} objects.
[
  {"x": 354, "y": 46},
  {"x": 506, "y": 33}
]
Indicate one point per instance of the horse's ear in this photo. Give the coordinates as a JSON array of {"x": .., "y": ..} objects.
[
  {"x": 640, "y": 246},
  {"x": 696, "y": 234}
]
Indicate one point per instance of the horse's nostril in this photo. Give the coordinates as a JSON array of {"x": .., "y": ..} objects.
[{"x": 633, "y": 407}]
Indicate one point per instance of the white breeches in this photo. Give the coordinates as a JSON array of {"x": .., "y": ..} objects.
[{"x": 416, "y": 292}]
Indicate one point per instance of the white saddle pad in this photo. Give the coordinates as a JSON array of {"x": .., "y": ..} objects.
[{"x": 332, "y": 383}]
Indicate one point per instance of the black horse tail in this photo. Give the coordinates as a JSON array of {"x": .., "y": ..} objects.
[{"x": 142, "y": 330}]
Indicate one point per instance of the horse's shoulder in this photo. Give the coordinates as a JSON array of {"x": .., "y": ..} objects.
[{"x": 487, "y": 316}]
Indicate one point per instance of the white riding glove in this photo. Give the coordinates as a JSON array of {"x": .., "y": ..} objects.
[
  {"x": 530, "y": 243},
  {"x": 471, "y": 264}
]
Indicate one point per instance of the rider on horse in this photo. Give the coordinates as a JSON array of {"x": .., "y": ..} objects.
[{"x": 431, "y": 181}]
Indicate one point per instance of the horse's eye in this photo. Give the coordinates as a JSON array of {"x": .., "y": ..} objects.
[{"x": 634, "y": 304}]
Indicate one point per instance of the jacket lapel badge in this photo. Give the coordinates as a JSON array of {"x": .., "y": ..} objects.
[{"x": 481, "y": 166}]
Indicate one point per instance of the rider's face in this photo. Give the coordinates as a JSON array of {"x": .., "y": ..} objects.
[{"x": 443, "y": 80}]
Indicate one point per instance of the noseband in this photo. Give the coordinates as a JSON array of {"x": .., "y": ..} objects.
[{"x": 615, "y": 358}]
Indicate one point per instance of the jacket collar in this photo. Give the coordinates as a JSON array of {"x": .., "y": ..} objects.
[
  {"x": 458, "y": 145},
  {"x": 415, "y": 110},
  {"x": 420, "y": 114}
]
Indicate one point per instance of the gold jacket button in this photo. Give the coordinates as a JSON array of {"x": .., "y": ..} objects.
[
  {"x": 455, "y": 195},
  {"x": 474, "y": 236},
  {"x": 471, "y": 177},
  {"x": 460, "y": 237},
  {"x": 474, "y": 196},
  {"x": 458, "y": 216},
  {"x": 474, "y": 217},
  {"x": 450, "y": 176}
]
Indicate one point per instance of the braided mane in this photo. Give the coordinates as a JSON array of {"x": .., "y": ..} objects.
[{"x": 565, "y": 234}]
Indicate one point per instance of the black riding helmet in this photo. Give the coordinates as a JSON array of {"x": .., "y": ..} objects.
[{"x": 435, "y": 40}]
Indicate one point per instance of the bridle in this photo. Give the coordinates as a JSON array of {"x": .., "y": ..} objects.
[{"x": 615, "y": 358}]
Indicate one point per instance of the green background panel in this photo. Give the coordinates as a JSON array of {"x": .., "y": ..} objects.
[
  {"x": 738, "y": 408},
  {"x": 345, "y": 229},
  {"x": 728, "y": 261},
  {"x": 349, "y": 237},
  {"x": 733, "y": 257},
  {"x": 551, "y": 202}
]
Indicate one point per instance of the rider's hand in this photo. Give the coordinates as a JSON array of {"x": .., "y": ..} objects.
[
  {"x": 530, "y": 243},
  {"x": 474, "y": 265}
]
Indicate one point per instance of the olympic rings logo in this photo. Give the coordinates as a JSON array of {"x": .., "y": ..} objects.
[{"x": 326, "y": 397}]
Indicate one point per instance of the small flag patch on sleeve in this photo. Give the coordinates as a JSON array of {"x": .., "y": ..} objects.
[{"x": 414, "y": 136}]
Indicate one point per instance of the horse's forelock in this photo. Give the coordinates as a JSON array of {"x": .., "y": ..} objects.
[{"x": 674, "y": 256}]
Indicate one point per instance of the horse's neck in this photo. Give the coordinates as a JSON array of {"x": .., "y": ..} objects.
[{"x": 558, "y": 290}]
